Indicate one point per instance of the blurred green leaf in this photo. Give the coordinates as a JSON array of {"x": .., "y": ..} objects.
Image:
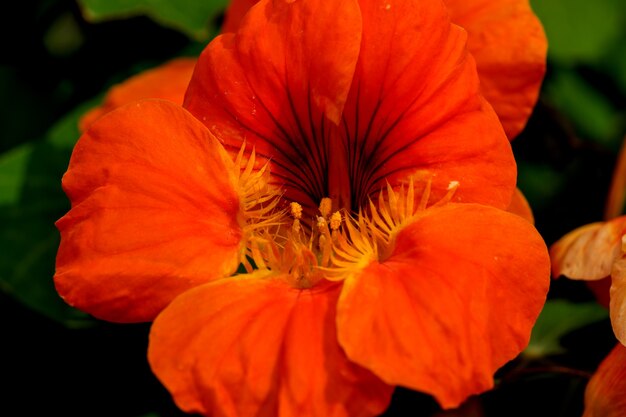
[
  {"x": 64, "y": 36},
  {"x": 540, "y": 183},
  {"x": 579, "y": 30},
  {"x": 192, "y": 17},
  {"x": 557, "y": 319},
  {"x": 590, "y": 112},
  {"x": 32, "y": 200},
  {"x": 615, "y": 64}
]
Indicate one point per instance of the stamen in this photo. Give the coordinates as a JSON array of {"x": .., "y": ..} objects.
[
  {"x": 322, "y": 224},
  {"x": 296, "y": 210},
  {"x": 371, "y": 236},
  {"x": 326, "y": 205},
  {"x": 335, "y": 221}
]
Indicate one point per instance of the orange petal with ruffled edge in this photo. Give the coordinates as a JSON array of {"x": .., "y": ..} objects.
[
  {"x": 510, "y": 48},
  {"x": 604, "y": 395},
  {"x": 415, "y": 110},
  {"x": 256, "y": 347},
  {"x": 413, "y": 105},
  {"x": 276, "y": 82},
  {"x": 168, "y": 81},
  {"x": 154, "y": 213},
  {"x": 617, "y": 304},
  {"x": 507, "y": 41},
  {"x": 454, "y": 301},
  {"x": 588, "y": 252}
]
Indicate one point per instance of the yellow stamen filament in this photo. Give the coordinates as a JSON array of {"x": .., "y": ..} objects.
[
  {"x": 334, "y": 245},
  {"x": 371, "y": 237}
]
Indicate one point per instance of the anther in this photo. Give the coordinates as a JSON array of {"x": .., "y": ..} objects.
[
  {"x": 326, "y": 205},
  {"x": 335, "y": 221},
  {"x": 296, "y": 210},
  {"x": 322, "y": 224}
]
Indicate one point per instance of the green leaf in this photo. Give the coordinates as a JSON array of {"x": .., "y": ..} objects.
[
  {"x": 192, "y": 17},
  {"x": 590, "y": 111},
  {"x": 557, "y": 319},
  {"x": 578, "y": 30},
  {"x": 31, "y": 201}
]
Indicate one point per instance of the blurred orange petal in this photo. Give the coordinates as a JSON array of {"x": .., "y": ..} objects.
[
  {"x": 453, "y": 302},
  {"x": 604, "y": 396},
  {"x": 168, "y": 81},
  {"x": 510, "y": 48},
  {"x": 154, "y": 213},
  {"x": 588, "y": 253},
  {"x": 618, "y": 296},
  {"x": 256, "y": 347}
]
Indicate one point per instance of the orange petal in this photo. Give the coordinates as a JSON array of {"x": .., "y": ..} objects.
[
  {"x": 154, "y": 212},
  {"x": 168, "y": 81},
  {"x": 617, "y": 306},
  {"x": 414, "y": 102},
  {"x": 235, "y": 12},
  {"x": 250, "y": 347},
  {"x": 276, "y": 81},
  {"x": 519, "y": 205},
  {"x": 415, "y": 106},
  {"x": 510, "y": 47},
  {"x": 604, "y": 396},
  {"x": 588, "y": 253},
  {"x": 454, "y": 301}
]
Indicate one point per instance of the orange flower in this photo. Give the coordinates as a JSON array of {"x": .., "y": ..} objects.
[
  {"x": 507, "y": 41},
  {"x": 370, "y": 207},
  {"x": 604, "y": 396},
  {"x": 167, "y": 81}
]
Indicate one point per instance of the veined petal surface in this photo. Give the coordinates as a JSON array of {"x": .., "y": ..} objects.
[
  {"x": 277, "y": 83},
  {"x": 399, "y": 97},
  {"x": 250, "y": 347},
  {"x": 454, "y": 301},
  {"x": 154, "y": 213},
  {"x": 415, "y": 110}
]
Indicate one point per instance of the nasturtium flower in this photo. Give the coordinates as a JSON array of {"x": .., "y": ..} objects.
[
  {"x": 342, "y": 153},
  {"x": 505, "y": 37},
  {"x": 604, "y": 395},
  {"x": 167, "y": 81}
]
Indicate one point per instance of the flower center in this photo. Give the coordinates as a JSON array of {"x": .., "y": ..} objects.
[{"x": 327, "y": 245}]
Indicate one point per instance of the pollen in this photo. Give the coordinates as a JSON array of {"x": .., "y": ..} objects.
[
  {"x": 296, "y": 210},
  {"x": 370, "y": 236},
  {"x": 335, "y": 221},
  {"x": 326, "y": 205},
  {"x": 307, "y": 247}
]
